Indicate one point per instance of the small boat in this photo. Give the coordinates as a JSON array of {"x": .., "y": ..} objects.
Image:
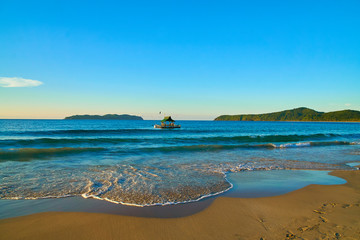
[{"x": 167, "y": 123}]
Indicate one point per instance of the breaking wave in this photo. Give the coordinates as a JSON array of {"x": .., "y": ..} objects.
[
  {"x": 244, "y": 146},
  {"x": 24, "y": 154}
]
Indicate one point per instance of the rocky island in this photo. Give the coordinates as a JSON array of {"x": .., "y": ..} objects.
[
  {"x": 104, "y": 117},
  {"x": 297, "y": 114}
]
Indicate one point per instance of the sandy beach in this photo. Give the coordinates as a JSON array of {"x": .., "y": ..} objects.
[
  {"x": 204, "y": 120},
  {"x": 314, "y": 212}
]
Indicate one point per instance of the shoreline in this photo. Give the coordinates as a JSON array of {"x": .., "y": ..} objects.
[
  {"x": 243, "y": 184},
  {"x": 311, "y": 212}
]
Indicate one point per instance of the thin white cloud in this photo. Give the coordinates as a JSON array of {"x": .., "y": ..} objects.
[
  {"x": 348, "y": 104},
  {"x": 18, "y": 82}
]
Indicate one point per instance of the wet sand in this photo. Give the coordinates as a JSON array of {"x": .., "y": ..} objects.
[
  {"x": 313, "y": 212},
  {"x": 17, "y": 208}
]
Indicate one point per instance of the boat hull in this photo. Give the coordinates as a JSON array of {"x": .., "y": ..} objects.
[{"x": 166, "y": 127}]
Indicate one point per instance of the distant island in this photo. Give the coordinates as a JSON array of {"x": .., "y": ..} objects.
[
  {"x": 297, "y": 114},
  {"x": 104, "y": 117}
]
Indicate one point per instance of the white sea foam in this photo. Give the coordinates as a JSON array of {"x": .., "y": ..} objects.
[
  {"x": 300, "y": 144},
  {"x": 159, "y": 204},
  {"x": 250, "y": 166}
]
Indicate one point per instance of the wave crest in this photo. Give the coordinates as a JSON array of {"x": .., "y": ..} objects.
[{"x": 24, "y": 154}]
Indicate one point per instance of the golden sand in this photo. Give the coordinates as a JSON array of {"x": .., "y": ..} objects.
[{"x": 314, "y": 212}]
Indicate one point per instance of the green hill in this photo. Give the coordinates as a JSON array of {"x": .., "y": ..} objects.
[
  {"x": 104, "y": 117},
  {"x": 297, "y": 114}
]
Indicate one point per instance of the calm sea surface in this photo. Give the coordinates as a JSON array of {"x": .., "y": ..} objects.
[{"x": 130, "y": 162}]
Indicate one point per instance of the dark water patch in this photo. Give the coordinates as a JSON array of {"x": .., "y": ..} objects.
[
  {"x": 66, "y": 141},
  {"x": 265, "y": 138},
  {"x": 26, "y": 154},
  {"x": 205, "y": 148},
  {"x": 181, "y": 134},
  {"x": 274, "y": 138},
  {"x": 184, "y": 142}
]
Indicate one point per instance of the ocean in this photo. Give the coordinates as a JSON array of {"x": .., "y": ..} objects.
[{"x": 132, "y": 163}]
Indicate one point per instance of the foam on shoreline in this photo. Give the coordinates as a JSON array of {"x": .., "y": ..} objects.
[{"x": 87, "y": 195}]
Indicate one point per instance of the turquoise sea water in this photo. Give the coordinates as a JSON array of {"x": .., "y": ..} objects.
[{"x": 130, "y": 162}]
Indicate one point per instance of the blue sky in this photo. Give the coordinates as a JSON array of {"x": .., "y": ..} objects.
[{"x": 190, "y": 59}]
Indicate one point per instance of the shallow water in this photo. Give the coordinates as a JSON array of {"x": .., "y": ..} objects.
[
  {"x": 253, "y": 184},
  {"x": 130, "y": 162}
]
